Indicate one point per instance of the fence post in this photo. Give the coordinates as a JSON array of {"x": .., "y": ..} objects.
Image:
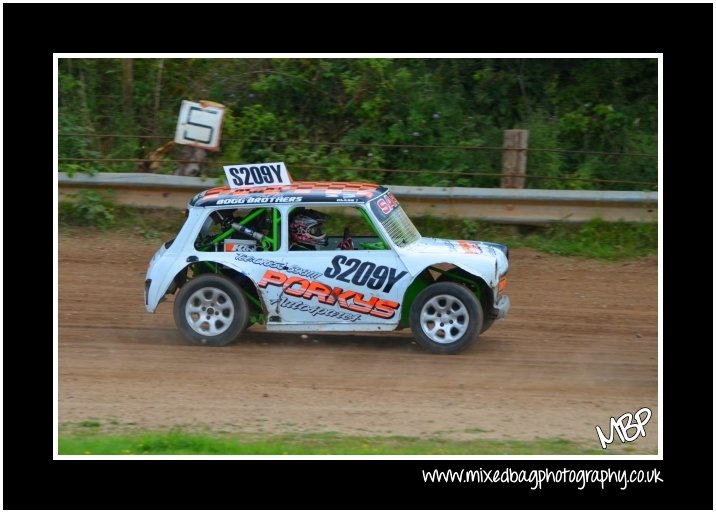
[{"x": 514, "y": 159}]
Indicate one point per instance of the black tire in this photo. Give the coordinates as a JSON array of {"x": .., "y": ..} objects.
[
  {"x": 446, "y": 317},
  {"x": 486, "y": 323},
  {"x": 197, "y": 316}
]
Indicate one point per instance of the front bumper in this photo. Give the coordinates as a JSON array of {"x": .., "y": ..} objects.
[{"x": 502, "y": 307}]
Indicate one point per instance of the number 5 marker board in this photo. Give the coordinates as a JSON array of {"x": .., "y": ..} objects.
[{"x": 200, "y": 124}]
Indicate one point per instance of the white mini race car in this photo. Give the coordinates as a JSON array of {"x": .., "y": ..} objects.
[{"x": 267, "y": 252}]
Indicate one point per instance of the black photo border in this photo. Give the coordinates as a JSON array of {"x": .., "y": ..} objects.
[{"x": 33, "y": 480}]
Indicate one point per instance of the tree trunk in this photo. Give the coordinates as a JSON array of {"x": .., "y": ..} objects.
[
  {"x": 127, "y": 87},
  {"x": 157, "y": 89},
  {"x": 86, "y": 113}
]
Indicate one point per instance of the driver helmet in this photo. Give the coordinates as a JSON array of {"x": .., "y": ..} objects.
[{"x": 305, "y": 228}]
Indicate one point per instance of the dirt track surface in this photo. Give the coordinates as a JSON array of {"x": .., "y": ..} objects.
[{"x": 579, "y": 347}]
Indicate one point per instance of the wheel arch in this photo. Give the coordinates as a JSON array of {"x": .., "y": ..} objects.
[
  {"x": 211, "y": 309},
  {"x": 446, "y": 271},
  {"x": 242, "y": 280}
]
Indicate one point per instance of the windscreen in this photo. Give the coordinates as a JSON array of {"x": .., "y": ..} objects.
[{"x": 396, "y": 222}]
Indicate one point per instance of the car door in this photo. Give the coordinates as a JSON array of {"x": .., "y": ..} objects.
[
  {"x": 347, "y": 289},
  {"x": 359, "y": 287}
]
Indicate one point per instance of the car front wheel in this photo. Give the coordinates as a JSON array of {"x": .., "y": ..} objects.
[
  {"x": 446, "y": 317},
  {"x": 211, "y": 310}
]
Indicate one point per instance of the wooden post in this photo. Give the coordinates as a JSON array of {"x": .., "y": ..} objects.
[
  {"x": 514, "y": 159},
  {"x": 191, "y": 161}
]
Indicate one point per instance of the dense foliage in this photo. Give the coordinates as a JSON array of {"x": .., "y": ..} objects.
[{"x": 327, "y": 117}]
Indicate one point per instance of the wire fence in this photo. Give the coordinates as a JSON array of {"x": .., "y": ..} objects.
[
  {"x": 372, "y": 145},
  {"x": 211, "y": 166}
]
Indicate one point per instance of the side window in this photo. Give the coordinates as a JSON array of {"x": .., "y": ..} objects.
[
  {"x": 240, "y": 229},
  {"x": 332, "y": 228}
]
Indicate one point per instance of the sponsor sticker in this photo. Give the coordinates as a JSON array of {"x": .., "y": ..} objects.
[
  {"x": 309, "y": 290},
  {"x": 383, "y": 205},
  {"x": 469, "y": 247},
  {"x": 234, "y": 245}
]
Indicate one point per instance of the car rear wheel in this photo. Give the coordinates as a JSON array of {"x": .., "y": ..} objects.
[
  {"x": 446, "y": 318},
  {"x": 211, "y": 310}
]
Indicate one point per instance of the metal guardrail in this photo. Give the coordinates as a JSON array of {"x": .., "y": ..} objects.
[{"x": 518, "y": 206}]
